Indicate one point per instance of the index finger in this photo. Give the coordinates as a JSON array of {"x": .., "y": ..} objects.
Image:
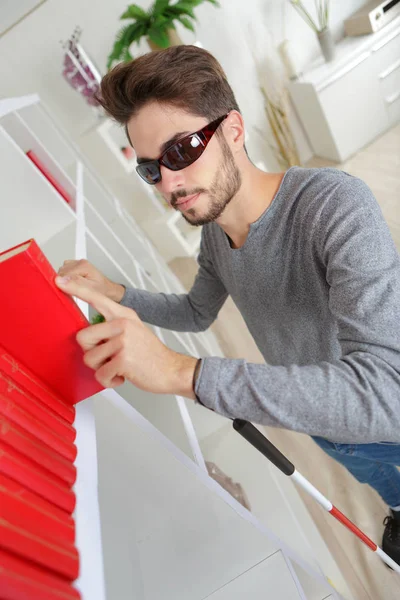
[{"x": 79, "y": 288}]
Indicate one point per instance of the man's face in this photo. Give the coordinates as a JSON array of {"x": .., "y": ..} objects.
[{"x": 200, "y": 191}]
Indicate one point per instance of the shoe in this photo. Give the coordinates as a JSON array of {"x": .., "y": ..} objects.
[{"x": 391, "y": 537}]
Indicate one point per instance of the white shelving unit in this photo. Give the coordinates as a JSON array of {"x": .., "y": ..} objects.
[{"x": 167, "y": 529}]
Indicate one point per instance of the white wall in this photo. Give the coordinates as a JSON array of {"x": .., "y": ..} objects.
[{"x": 31, "y": 55}]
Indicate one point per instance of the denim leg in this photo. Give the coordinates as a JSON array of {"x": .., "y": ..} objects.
[{"x": 373, "y": 464}]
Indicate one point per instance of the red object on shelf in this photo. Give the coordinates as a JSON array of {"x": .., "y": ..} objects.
[
  {"x": 22, "y": 580},
  {"x": 62, "y": 558},
  {"x": 31, "y": 386},
  {"x": 30, "y": 446},
  {"x": 33, "y": 408},
  {"x": 36, "y": 428},
  {"x": 26, "y": 509},
  {"x": 44, "y": 170},
  {"x": 35, "y": 478},
  {"x": 39, "y": 323}
]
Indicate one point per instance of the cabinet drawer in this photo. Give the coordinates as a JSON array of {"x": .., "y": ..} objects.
[
  {"x": 393, "y": 107},
  {"x": 390, "y": 79},
  {"x": 386, "y": 51},
  {"x": 354, "y": 109}
]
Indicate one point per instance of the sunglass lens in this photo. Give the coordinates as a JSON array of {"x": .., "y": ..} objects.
[
  {"x": 150, "y": 172},
  {"x": 183, "y": 153}
]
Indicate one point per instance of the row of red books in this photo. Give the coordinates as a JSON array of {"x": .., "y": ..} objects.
[{"x": 42, "y": 376}]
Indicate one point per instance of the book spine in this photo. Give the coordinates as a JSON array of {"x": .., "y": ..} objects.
[
  {"x": 16, "y": 466},
  {"x": 29, "y": 382},
  {"x": 35, "y": 521},
  {"x": 22, "y": 580},
  {"x": 60, "y": 558},
  {"x": 17, "y": 415},
  {"x": 46, "y": 173},
  {"x": 16, "y": 502},
  {"x": 31, "y": 405},
  {"x": 16, "y": 437}
]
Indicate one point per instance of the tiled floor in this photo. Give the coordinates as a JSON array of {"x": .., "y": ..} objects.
[{"x": 379, "y": 166}]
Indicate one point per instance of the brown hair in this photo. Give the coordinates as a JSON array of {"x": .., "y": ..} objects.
[{"x": 184, "y": 76}]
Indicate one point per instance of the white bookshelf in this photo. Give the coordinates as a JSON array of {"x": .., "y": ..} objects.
[{"x": 168, "y": 530}]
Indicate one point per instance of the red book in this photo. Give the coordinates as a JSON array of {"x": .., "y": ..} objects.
[
  {"x": 25, "y": 379},
  {"x": 21, "y": 469},
  {"x": 30, "y": 405},
  {"x": 13, "y": 435},
  {"x": 63, "y": 559},
  {"x": 22, "y": 580},
  {"x": 39, "y": 323},
  {"x": 28, "y": 510},
  {"x": 45, "y": 171},
  {"x": 17, "y": 415}
]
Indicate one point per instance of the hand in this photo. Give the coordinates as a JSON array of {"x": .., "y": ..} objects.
[
  {"x": 123, "y": 347},
  {"x": 77, "y": 269}
]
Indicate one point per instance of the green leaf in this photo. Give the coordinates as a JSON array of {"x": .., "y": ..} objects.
[
  {"x": 159, "y": 37},
  {"x": 134, "y": 32},
  {"x": 125, "y": 36},
  {"x": 159, "y": 6},
  {"x": 186, "y": 23},
  {"x": 134, "y": 12},
  {"x": 179, "y": 10},
  {"x": 97, "y": 319}
]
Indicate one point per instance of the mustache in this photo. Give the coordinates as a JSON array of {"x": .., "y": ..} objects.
[{"x": 183, "y": 193}]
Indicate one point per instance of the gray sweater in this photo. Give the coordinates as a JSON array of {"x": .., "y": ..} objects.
[{"x": 318, "y": 284}]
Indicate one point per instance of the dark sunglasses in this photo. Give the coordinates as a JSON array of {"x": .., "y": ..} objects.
[{"x": 181, "y": 154}]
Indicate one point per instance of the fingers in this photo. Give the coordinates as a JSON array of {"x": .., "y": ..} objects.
[
  {"x": 79, "y": 288},
  {"x": 72, "y": 268},
  {"x": 100, "y": 354},
  {"x": 108, "y": 375},
  {"x": 89, "y": 337}
]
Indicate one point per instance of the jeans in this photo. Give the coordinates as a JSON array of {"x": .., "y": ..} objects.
[{"x": 374, "y": 464}]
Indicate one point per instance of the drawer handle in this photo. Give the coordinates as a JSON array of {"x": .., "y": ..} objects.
[
  {"x": 392, "y": 98},
  {"x": 385, "y": 41},
  {"x": 390, "y": 70}
]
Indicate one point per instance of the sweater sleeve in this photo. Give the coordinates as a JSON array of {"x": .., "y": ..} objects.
[
  {"x": 194, "y": 311},
  {"x": 355, "y": 398}
]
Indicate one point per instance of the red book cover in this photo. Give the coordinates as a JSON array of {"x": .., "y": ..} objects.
[
  {"x": 13, "y": 435},
  {"x": 17, "y": 415},
  {"x": 22, "y": 580},
  {"x": 30, "y": 405},
  {"x": 28, "y": 510},
  {"x": 63, "y": 559},
  {"x": 45, "y": 171},
  {"x": 39, "y": 323},
  {"x": 21, "y": 469},
  {"x": 25, "y": 379}
]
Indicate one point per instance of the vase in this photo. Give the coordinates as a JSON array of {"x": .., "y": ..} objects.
[
  {"x": 173, "y": 40},
  {"x": 327, "y": 44}
]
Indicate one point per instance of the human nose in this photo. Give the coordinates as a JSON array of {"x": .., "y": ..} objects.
[{"x": 170, "y": 181}]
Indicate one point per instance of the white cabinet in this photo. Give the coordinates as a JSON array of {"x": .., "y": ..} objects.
[
  {"x": 345, "y": 104},
  {"x": 167, "y": 529}
]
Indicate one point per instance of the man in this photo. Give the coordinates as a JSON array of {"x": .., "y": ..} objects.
[{"x": 306, "y": 256}]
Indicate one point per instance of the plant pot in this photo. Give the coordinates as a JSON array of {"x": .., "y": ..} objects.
[
  {"x": 173, "y": 39},
  {"x": 327, "y": 44}
]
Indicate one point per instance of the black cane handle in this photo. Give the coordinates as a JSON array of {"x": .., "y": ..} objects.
[{"x": 263, "y": 445}]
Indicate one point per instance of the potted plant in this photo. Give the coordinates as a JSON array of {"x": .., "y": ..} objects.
[
  {"x": 319, "y": 25},
  {"x": 157, "y": 25}
]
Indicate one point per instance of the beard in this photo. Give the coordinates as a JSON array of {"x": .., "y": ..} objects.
[{"x": 225, "y": 186}]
